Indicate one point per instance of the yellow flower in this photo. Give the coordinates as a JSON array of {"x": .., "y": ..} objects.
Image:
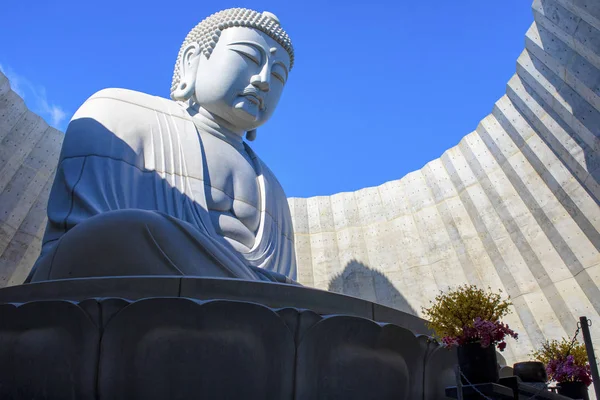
[
  {"x": 559, "y": 349},
  {"x": 454, "y": 310}
]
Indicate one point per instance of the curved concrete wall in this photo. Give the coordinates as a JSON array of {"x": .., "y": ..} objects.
[
  {"x": 515, "y": 205},
  {"x": 29, "y": 151}
]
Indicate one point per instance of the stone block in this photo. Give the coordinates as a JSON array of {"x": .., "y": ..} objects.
[
  {"x": 179, "y": 348},
  {"x": 418, "y": 193},
  {"x": 587, "y": 42},
  {"x": 275, "y": 295},
  {"x": 166, "y": 347},
  {"x": 12, "y": 109},
  {"x": 557, "y": 14},
  {"x": 439, "y": 369},
  {"x": 48, "y": 350},
  {"x": 370, "y": 206},
  {"x": 299, "y": 215},
  {"x": 336, "y": 368},
  {"x": 79, "y": 289},
  {"x": 406, "y": 320}
]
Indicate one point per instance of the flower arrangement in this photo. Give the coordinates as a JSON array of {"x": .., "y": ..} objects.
[
  {"x": 563, "y": 362},
  {"x": 470, "y": 315}
]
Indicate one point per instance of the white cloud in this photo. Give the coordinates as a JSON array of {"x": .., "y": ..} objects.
[{"x": 35, "y": 97}]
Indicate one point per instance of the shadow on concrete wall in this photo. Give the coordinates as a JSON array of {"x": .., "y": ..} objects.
[{"x": 361, "y": 281}]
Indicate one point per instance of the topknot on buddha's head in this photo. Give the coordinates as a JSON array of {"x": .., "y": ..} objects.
[{"x": 207, "y": 33}]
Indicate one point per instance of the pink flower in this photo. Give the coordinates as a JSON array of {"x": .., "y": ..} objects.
[{"x": 487, "y": 333}]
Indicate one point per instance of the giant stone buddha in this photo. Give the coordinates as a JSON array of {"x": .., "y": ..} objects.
[{"x": 151, "y": 186}]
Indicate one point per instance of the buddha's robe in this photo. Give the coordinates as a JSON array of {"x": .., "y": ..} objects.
[{"x": 130, "y": 198}]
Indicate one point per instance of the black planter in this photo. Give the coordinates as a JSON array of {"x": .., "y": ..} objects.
[
  {"x": 531, "y": 371},
  {"x": 477, "y": 364},
  {"x": 573, "y": 390}
]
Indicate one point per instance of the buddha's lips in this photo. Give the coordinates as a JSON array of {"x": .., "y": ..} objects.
[{"x": 254, "y": 97}]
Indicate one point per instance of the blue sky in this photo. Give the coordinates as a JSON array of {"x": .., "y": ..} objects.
[{"x": 378, "y": 89}]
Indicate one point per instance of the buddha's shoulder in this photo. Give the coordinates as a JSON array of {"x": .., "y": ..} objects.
[
  {"x": 114, "y": 103},
  {"x": 113, "y": 122}
]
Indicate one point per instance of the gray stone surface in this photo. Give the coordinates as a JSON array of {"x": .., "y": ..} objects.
[
  {"x": 49, "y": 350},
  {"x": 28, "y": 154},
  {"x": 271, "y": 294},
  {"x": 178, "y": 347}
]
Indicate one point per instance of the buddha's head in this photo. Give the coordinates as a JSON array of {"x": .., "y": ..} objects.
[{"x": 234, "y": 64}]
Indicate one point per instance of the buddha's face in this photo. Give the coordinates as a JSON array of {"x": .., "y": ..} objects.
[{"x": 244, "y": 77}]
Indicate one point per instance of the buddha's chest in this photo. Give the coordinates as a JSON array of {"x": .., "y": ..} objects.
[
  {"x": 231, "y": 189},
  {"x": 230, "y": 179}
]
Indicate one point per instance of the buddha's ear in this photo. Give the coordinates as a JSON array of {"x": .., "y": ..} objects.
[{"x": 188, "y": 68}]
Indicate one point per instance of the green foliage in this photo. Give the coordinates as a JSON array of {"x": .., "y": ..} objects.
[
  {"x": 454, "y": 310},
  {"x": 559, "y": 349}
]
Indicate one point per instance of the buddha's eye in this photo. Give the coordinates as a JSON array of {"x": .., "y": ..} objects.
[
  {"x": 279, "y": 72},
  {"x": 247, "y": 51}
]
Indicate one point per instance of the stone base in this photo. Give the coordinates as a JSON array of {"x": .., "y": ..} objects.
[{"x": 161, "y": 338}]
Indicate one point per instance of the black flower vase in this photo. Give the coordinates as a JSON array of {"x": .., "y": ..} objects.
[
  {"x": 478, "y": 364},
  {"x": 573, "y": 390},
  {"x": 531, "y": 371}
]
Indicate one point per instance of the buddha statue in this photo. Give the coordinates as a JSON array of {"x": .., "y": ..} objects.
[{"x": 152, "y": 186}]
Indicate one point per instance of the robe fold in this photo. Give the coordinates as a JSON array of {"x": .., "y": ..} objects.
[{"x": 125, "y": 150}]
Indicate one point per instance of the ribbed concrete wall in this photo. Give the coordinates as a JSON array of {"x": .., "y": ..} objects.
[
  {"x": 29, "y": 151},
  {"x": 514, "y": 206}
]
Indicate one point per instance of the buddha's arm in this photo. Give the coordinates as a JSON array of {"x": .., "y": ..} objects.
[{"x": 101, "y": 135}]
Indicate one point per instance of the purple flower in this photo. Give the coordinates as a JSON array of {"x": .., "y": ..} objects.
[
  {"x": 565, "y": 370},
  {"x": 487, "y": 333}
]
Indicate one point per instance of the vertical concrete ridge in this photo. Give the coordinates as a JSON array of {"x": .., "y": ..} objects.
[
  {"x": 564, "y": 61},
  {"x": 444, "y": 192},
  {"x": 476, "y": 205},
  {"x": 576, "y": 151},
  {"x": 302, "y": 239},
  {"x": 19, "y": 256},
  {"x": 20, "y": 193},
  {"x": 587, "y": 10},
  {"x": 29, "y": 151},
  {"x": 12, "y": 110},
  {"x": 487, "y": 259},
  {"x": 15, "y": 150},
  {"x": 525, "y": 264},
  {"x": 555, "y": 173},
  {"x": 569, "y": 28},
  {"x": 537, "y": 243}
]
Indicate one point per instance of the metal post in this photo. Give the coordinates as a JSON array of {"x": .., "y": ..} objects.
[{"x": 587, "y": 338}]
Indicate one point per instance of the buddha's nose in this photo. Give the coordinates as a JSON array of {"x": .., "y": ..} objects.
[{"x": 260, "y": 82}]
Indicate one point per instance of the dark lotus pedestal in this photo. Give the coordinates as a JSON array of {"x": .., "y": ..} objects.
[{"x": 186, "y": 338}]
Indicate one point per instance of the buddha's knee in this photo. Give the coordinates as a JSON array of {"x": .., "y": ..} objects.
[
  {"x": 115, "y": 243},
  {"x": 118, "y": 221}
]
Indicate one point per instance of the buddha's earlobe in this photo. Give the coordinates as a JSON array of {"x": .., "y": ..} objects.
[
  {"x": 184, "y": 91},
  {"x": 251, "y": 135},
  {"x": 188, "y": 69}
]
